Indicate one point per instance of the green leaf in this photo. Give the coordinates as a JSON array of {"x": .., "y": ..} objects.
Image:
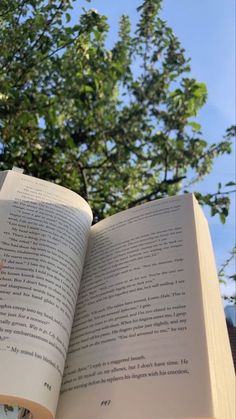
[
  {"x": 68, "y": 17},
  {"x": 201, "y": 90},
  {"x": 195, "y": 126},
  {"x": 230, "y": 184},
  {"x": 87, "y": 89}
]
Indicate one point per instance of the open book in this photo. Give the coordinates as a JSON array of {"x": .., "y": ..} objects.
[{"x": 121, "y": 320}]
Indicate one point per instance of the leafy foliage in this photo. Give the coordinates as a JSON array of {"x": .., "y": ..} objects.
[
  {"x": 226, "y": 278},
  {"x": 115, "y": 125}
]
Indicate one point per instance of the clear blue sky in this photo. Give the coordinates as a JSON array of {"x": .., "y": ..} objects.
[{"x": 206, "y": 29}]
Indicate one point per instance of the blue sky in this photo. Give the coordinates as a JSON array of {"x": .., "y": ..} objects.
[{"x": 206, "y": 29}]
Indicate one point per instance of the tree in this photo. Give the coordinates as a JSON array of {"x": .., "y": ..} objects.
[
  {"x": 117, "y": 126},
  {"x": 226, "y": 278}
]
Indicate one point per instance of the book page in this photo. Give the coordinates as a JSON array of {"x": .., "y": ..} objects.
[
  {"x": 138, "y": 345},
  {"x": 43, "y": 237},
  {"x": 220, "y": 356}
]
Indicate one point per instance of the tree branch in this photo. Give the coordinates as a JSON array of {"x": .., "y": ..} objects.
[
  {"x": 153, "y": 194},
  {"x": 84, "y": 179}
]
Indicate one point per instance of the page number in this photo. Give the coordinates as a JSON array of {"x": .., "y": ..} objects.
[
  {"x": 48, "y": 387},
  {"x": 105, "y": 403}
]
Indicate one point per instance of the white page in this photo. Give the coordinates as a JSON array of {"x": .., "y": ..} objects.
[
  {"x": 220, "y": 355},
  {"x": 43, "y": 238},
  {"x": 138, "y": 346}
]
